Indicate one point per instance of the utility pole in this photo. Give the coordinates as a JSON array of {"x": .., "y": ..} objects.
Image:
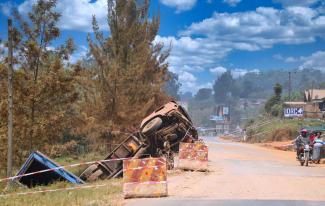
[
  {"x": 10, "y": 98},
  {"x": 289, "y": 89}
]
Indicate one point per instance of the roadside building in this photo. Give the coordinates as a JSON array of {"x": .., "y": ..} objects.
[{"x": 313, "y": 105}]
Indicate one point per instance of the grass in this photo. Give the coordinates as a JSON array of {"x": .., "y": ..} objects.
[
  {"x": 288, "y": 128},
  {"x": 107, "y": 195}
]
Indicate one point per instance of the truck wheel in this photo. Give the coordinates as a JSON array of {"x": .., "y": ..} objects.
[
  {"x": 152, "y": 125},
  {"x": 95, "y": 176},
  {"x": 85, "y": 174}
]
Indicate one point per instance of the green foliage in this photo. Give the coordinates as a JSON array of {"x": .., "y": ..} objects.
[
  {"x": 203, "y": 94},
  {"x": 200, "y": 111},
  {"x": 126, "y": 76},
  {"x": 224, "y": 87},
  {"x": 276, "y": 110},
  {"x": 273, "y": 105}
]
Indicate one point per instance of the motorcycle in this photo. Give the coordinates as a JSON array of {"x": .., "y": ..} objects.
[{"x": 304, "y": 154}]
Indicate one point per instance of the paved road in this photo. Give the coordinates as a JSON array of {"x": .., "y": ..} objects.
[{"x": 244, "y": 174}]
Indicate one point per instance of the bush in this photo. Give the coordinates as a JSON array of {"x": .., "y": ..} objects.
[
  {"x": 285, "y": 133},
  {"x": 60, "y": 150},
  {"x": 276, "y": 110}
]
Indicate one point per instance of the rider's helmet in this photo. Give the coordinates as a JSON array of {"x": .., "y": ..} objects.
[{"x": 303, "y": 133}]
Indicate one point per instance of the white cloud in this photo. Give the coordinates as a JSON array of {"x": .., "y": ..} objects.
[
  {"x": 262, "y": 28},
  {"x": 2, "y": 51},
  {"x": 314, "y": 61},
  {"x": 296, "y": 2},
  {"x": 179, "y": 5},
  {"x": 218, "y": 71},
  {"x": 189, "y": 54},
  {"x": 236, "y": 73},
  {"x": 76, "y": 14},
  {"x": 289, "y": 59},
  {"x": 80, "y": 52},
  {"x": 232, "y": 3},
  {"x": 190, "y": 82},
  {"x": 203, "y": 45}
]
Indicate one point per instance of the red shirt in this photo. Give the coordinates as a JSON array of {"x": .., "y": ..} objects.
[{"x": 312, "y": 137}]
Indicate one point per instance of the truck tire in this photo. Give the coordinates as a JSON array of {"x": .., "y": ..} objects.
[
  {"x": 95, "y": 176},
  {"x": 152, "y": 126},
  {"x": 91, "y": 169}
]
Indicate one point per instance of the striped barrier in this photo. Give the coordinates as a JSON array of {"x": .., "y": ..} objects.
[
  {"x": 145, "y": 177},
  {"x": 193, "y": 156}
]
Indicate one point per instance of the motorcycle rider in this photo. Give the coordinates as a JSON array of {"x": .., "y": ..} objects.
[
  {"x": 317, "y": 137},
  {"x": 301, "y": 139}
]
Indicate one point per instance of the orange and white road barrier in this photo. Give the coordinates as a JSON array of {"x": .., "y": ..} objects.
[
  {"x": 193, "y": 156},
  {"x": 145, "y": 177}
]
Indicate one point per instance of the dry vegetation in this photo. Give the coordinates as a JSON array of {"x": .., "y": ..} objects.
[
  {"x": 65, "y": 109},
  {"x": 111, "y": 194}
]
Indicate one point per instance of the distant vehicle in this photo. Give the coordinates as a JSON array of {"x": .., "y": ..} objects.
[{"x": 160, "y": 134}]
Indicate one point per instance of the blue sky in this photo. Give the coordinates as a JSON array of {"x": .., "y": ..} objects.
[{"x": 209, "y": 37}]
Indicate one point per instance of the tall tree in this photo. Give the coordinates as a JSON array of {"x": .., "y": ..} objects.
[
  {"x": 203, "y": 93},
  {"x": 274, "y": 102},
  {"x": 130, "y": 69},
  {"x": 43, "y": 87},
  {"x": 224, "y": 87}
]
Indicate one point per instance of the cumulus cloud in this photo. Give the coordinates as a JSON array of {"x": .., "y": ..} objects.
[
  {"x": 262, "y": 28},
  {"x": 76, "y": 14},
  {"x": 288, "y": 59},
  {"x": 179, "y": 5},
  {"x": 190, "y": 83},
  {"x": 202, "y": 45},
  {"x": 314, "y": 61},
  {"x": 232, "y": 3},
  {"x": 218, "y": 71},
  {"x": 236, "y": 73},
  {"x": 189, "y": 54}
]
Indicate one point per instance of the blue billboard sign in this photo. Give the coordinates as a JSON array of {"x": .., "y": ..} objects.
[{"x": 293, "y": 112}]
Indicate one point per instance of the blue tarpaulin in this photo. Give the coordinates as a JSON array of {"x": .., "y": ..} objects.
[{"x": 38, "y": 161}]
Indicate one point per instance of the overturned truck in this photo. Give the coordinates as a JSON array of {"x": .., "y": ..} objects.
[{"x": 159, "y": 135}]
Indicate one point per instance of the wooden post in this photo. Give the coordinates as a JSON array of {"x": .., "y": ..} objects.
[{"x": 10, "y": 98}]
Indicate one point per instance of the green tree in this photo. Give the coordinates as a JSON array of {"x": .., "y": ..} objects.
[
  {"x": 203, "y": 93},
  {"x": 224, "y": 87},
  {"x": 129, "y": 70},
  {"x": 274, "y": 101}
]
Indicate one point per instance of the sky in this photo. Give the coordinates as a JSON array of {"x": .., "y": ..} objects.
[{"x": 209, "y": 37}]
